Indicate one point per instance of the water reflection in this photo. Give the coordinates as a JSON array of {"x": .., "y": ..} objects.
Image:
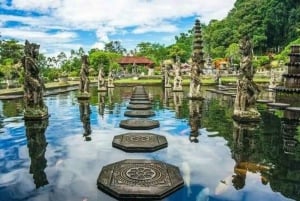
[
  {"x": 36, "y": 143},
  {"x": 195, "y": 107},
  {"x": 101, "y": 103},
  {"x": 244, "y": 148},
  {"x": 177, "y": 99},
  {"x": 85, "y": 111},
  {"x": 229, "y": 162},
  {"x": 167, "y": 96},
  {"x": 286, "y": 176}
]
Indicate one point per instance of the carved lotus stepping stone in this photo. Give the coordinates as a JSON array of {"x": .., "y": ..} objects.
[
  {"x": 139, "y": 107},
  {"x": 139, "y": 113},
  {"x": 139, "y": 124},
  {"x": 139, "y": 102},
  {"x": 139, "y": 142},
  {"x": 278, "y": 105},
  {"x": 137, "y": 179}
]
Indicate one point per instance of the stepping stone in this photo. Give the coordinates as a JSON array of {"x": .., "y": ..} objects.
[
  {"x": 229, "y": 94},
  {"x": 293, "y": 109},
  {"x": 140, "y": 102},
  {"x": 139, "y": 107},
  {"x": 139, "y": 113},
  {"x": 140, "y": 99},
  {"x": 139, "y": 142},
  {"x": 292, "y": 113},
  {"x": 140, "y": 179},
  {"x": 264, "y": 101},
  {"x": 278, "y": 105},
  {"x": 139, "y": 124},
  {"x": 138, "y": 96}
]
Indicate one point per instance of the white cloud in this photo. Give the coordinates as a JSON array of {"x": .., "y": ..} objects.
[
  {"x": 155, "y": 28},
  {"x": 38, "y": 36},
  {"x": 104, "y": 18},
  {"x": 42, "y": 6},
  {"x": 99, "y": 45}
]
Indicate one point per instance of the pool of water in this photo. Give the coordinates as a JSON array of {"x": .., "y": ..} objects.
[{"x": 219, "y": 159}]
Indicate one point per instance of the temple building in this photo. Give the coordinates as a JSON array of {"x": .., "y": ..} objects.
[{"x": 136, "y": 62}]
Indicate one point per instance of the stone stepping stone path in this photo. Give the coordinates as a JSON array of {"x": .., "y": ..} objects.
[
  {"x": 139, "y": 107},
  {"x": 139, "y": 113},
  {"x": 134, "y": 179},
  {"x": 138, "y": 179},
  {"x": 140, "y": 142},
  {"x": 139, "y": 124}
]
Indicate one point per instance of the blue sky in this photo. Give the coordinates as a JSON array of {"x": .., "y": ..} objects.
[{"x": 62, "y": 25}]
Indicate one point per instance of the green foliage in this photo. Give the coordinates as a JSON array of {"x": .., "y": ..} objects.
[
  {"x": 114, "y": 47},
  {"x": 270, "y": 23},
  {"x": 108, "y": 60},
  {"x": 153, "y": 51},
  {"x": 261, "y": 61},
  {"x": 233, "y": 52},
  {"x": 283, "y": 55}
]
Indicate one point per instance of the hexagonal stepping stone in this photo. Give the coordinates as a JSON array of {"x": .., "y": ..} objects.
[
  {"x": 139, "y": 102},
  {"x": 139, "y": 124},
  {"x": 139, "y": 113},
  {"x": 138, "y": 179},
  {"x": 139, "y": 107},
  {"x": 278, "y": 105},
  {"x": 139, "y": 142}
]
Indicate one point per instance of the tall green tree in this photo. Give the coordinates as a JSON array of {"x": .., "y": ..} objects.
[{"x": 114, "y": 46}]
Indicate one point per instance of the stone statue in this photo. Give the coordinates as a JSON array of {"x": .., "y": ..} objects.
[
  {"x": 247, "y": 90},
  {"x": 177, "y": 83},
  {"x": 195, "y": 84},
  {"x": 101, "y": 80},
  {"x": 33, "y": 84},
  {"x": 84, "y": 77},
  {"x": 110, "y": 80},
  {"x": 167, "y": 78}
]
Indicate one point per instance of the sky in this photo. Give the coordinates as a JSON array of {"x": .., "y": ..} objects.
[{"x": 62, "y": 25}]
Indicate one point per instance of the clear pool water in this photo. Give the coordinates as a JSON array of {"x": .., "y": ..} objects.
[{"x": 61, "y": 159}]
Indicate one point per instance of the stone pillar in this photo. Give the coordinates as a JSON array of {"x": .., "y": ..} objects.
[{"x": 197, "y": 65}]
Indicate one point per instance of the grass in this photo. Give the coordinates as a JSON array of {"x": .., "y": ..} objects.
[{"x": 131, "y": 81}]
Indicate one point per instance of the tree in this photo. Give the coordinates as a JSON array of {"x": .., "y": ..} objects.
[
  {"x": 233, "y": 52},
  {"x": 106, "y": 59},
  {"x": 114, "y": 46}
]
